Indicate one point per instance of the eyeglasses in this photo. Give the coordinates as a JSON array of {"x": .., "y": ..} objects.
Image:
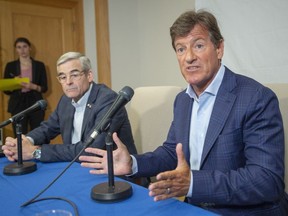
[{"x": 74, "y": 76}]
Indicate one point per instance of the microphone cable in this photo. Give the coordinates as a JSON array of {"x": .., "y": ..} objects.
[
  {"x": 74, "y": 206},
  {"x": 34, "y": 199}
]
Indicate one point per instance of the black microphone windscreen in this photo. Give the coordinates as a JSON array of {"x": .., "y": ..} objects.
[
  {"x": 42, "y": 104},
  {"x": 127, "y": 92}
]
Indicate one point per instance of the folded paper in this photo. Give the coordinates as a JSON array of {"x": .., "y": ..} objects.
[{"x": 12, "y": 84}]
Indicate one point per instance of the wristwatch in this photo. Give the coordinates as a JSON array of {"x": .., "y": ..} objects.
[{"x": 37, "y": 153}]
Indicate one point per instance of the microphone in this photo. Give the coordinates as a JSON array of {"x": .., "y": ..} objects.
[
  {"x": 39, "y": 105},
  {"x": 111, "y": 191},
  {"x": 124, "y": 96}
]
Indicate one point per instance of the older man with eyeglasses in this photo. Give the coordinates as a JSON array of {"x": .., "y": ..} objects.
[{"x": 79, "y": 110}]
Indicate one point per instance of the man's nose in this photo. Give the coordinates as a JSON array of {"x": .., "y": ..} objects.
[{"x": 190, "y": 55}]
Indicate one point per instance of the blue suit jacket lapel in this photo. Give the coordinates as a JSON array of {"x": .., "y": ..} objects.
[
  {"x": 69, "y": 117},
  {"x": 184, "y": 115},
  {"x": 222, "y": 107}
]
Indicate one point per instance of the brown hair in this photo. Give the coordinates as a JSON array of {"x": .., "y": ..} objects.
[
  {"x": 22, "y": 39},
  {"x": 187, "y": 21}
]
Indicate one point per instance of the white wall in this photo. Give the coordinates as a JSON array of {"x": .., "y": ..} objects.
[
  {"x": 124, "y": 49},
  {"x": 140, "y": 45},
  {"x": 141, "y": 51},
  {"x": 255, "y": 34},
  {"x": 90, "y": 34}
]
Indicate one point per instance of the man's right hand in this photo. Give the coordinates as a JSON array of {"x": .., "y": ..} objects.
[
  {"x": 11, "y": 151},
  {"x": 122, "y": 160},
  {"x": 8, "y": 148}
]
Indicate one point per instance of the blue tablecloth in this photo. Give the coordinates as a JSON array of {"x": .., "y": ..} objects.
[{"x": 76, "y": 184}]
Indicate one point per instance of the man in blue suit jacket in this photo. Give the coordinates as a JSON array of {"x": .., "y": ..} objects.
[
  {"x": 79, "y": 110},
  {"x": 225, "y": 147}
]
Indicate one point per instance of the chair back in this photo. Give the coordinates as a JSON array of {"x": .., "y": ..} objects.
[
  {"x": 150, "y": 112},
  {"x": 281, "y": 90}
]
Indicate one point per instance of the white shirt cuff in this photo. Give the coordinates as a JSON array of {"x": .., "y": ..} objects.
[
  {"x": 190, "y": 191},
  {"x": 134, "y": 166},
  {"x": 30, "y": 139}
]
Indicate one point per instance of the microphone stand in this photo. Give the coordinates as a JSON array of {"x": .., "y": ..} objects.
[
  {"x": 19, "y": 168},
  {"x": 111, "y": 191}
]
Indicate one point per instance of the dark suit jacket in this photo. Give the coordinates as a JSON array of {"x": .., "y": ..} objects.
[
  {"x": 39, "y": 77},
  {"x": 61, "y": 122},
  {"x": 242, "y": 165}
]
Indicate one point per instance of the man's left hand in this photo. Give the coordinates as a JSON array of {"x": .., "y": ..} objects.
[{"x": 173, "y": 183}]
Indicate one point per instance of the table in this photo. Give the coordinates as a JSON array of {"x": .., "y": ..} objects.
[{"x": 76, "y": 184}]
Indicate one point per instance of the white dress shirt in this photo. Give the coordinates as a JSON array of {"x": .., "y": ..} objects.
[
  {"x": 200, "y": 117},
  {"x": 80, "y": 106}
]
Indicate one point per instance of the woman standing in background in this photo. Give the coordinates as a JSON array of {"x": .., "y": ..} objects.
[{"x": 30, "y": 93}]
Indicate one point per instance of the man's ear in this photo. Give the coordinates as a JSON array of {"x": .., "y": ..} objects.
[{"x": 220, "y": 49}]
